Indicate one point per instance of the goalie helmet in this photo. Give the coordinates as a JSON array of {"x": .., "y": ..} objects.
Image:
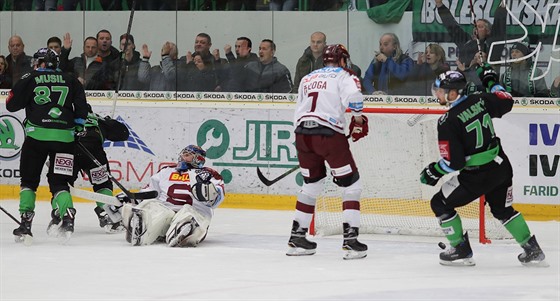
[
  {"x": 47, "y": 56},
  {"x": 333, "y": 54},
  {"x": 197, "y": 161}
]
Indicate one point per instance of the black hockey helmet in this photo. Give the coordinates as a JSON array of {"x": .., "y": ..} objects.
[
  {"x": 47, "y": 56},
  {"x": 450, "y": 80},
  {"x": 333, "y": 54}
]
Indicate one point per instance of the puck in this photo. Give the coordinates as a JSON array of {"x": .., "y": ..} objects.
[{"x": 441, "y": 245}]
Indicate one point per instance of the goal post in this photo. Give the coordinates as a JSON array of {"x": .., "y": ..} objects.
[{"x": 400, "y": 143}]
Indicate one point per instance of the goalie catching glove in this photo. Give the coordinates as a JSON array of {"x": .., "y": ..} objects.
[
  {"x": 204, "y": 190},
  {"x": 358, "y": 131},
  {"x": 431, "y": 174}
]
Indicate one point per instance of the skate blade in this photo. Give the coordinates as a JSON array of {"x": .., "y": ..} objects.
[
  {"x": 351, "y": 254},
  {"x": 64, "y": 237},
  {"x": 295, "y": 251},
  {"x": 53, "y": 231},
  {"x": 459, "y": 262},
  {"x": 110, "y": 230},
  {"x": 536, "y": 264},
  {"x": 26, "y": 239}
]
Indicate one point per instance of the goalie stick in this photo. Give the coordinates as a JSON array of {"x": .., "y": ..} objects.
[{"x": 132, "y": 195}]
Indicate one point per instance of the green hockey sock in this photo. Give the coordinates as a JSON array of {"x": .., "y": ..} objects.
[
  {"x": 105, "y": 191},
  {"x": 453, "y": 230},
  {"x": 63, "y": 201},
  {"x": 26, "y": 200},
  {"x": 518, "y": 229}
]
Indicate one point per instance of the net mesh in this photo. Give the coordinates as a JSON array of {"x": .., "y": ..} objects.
[{"x": 393, "y": 200}]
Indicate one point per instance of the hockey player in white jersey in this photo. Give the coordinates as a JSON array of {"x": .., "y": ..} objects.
[
  {"x": 323, "y": 97},
  {"x": 181, "y": 214}
]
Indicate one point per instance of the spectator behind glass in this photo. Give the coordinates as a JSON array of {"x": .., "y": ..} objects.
[
  {"x": 285, "y": 5},
  {"x": 55, "y": 44},
  {"x": 87, "y": 64},
  {"x": 18, "y": 62},
  {"x": 202, "y": 45},
  {"x": 46, "y": 5},
  {"x": 267, "y": 75},
  {"x": 243, "y": 47},
  {"x": 466, "y": 41},
  {"x": 312, "y": 58},
  {"x": 71, "y": 5},
  {"x": 389, "y": 69},
  {"x": 429, "y": 65},
  {"x": 4, "y": 79},
  {"x": 555, "y": 88},
  {"x": 517, "y": 77},
  {"x": 202, "y": 77},
  {"x": 162, "y": 77},
  {"x": 21, "y": 5},
  {"x": 105, "y": 47}
]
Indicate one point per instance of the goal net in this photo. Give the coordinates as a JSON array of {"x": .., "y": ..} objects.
[{"x": 399, "y": 145}]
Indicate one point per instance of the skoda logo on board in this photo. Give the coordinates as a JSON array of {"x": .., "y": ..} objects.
[{"x": 12, "y": 135}]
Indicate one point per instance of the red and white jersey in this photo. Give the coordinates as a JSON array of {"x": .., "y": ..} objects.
[
  {"x": 324, "y": 95},
  {"x": 174, "y": 188}
]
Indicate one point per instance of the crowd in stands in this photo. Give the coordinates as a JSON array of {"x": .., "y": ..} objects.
[
  {"x": 231, "y": 5},
  {"x": 250, "y": 69}
]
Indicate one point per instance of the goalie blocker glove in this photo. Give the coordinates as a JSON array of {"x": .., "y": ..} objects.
[
  {"x": 431, "y": 174},
  {"x": 358, "y": 131}
]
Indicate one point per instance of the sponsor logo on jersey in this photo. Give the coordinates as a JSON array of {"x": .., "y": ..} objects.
[
  {"x": 133, "y": 141},
  {"x": 444, "y": 149},
  {"x": 178, "y": 177},
  {"x": 12, "y": 135}
]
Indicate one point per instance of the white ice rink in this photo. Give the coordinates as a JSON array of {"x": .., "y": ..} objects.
[{"x": 243, "y": 258}]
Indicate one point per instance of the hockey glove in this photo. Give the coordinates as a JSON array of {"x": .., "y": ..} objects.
[
  {"x": 79, "y": 129},
  {"x": 431, "y": 174},
  {"x": 487, "y": 75},
  {"x": 358, "y": 131},
  {"x": 206, "y": 193}
]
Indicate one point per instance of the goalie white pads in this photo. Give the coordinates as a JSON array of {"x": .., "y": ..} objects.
[
  {"x": 206, "y": 193},
  {"x": 146, "y": 222},
  {"x": 187, "y": 228}
]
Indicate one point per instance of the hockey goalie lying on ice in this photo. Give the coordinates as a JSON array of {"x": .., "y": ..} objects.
[{"x": 181, "y": 214}]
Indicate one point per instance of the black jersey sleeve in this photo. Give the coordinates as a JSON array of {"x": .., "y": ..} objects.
[
  {"x": 498, "y": 103},
  {"x": 450, "y": 143}
]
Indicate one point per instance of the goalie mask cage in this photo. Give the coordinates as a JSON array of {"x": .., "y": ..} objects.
[{"x": 401, "y": 142}]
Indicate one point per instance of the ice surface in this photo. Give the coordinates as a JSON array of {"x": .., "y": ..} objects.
[{"x": 243, "y": 258}]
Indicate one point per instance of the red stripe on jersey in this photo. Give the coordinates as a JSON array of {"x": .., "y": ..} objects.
[
  {"x": 503, "y": 95},
  {"x": 305, "y": 208},
  {"x": 444, "y": 149},
  {"x": 10, "y": 95},
  {"x": 350, "y": 205}
]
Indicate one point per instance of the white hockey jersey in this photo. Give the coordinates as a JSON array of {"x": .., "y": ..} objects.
[
  {"x": 174, "y": 188},
  {"x": 324, "y": 95}
]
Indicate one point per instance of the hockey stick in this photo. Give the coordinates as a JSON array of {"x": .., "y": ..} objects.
[
  {"x": 473, "y": 18},
  {"x": 10, "y": 215},
  {"x": 133, "y": 195},
  {"x": 95, "y": 197},
  {"x": 120, "y": 75},
  {"x": 268, "y": 182}
]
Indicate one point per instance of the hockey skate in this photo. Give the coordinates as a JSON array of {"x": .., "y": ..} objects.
[
  {"x": 137, "y": 228},
  {"x": 533, "y": 256},
  {"x": 54, "y": 224},
  {"x": 178, "y": 237},
  {"x": 67, "y": 228},
  {"x": 352, "y": 247},
  {"x": 460, "y": 255},
  {"x": 23, "y": 232},
  {"x": 298, "y": 245},
  {"x": 106, "y": 223}
]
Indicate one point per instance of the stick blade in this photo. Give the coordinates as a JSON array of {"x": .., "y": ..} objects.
[
  {"x": 263, "y": 178},
  {"x": 143, "y": 195}
]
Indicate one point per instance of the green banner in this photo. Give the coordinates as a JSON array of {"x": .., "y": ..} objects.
[{"x": 427, "y": 26}]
